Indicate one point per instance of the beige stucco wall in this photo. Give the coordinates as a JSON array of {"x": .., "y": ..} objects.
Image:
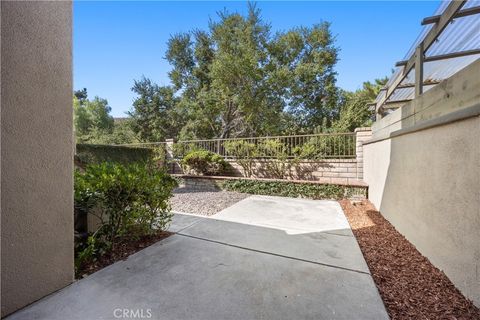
[
  {"x": 37, "y": 151},
  {"x": 427, "y": 184},
  {"x": 422, "y": 166}
]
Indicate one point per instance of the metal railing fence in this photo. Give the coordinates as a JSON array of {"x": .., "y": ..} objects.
[
  {"x": 309, "y": 146},
  {"x": 143, "y": 144}
]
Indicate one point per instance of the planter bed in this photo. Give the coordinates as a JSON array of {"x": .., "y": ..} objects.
[
  {"x": 122, "y": 251},
  {"x": 219, "y": 179},
  {"x": 410, "y": 286},
  {"x": 276, "y": 187}
]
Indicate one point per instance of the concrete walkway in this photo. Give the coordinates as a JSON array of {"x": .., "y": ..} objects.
[{"x": 262, "y": 258}]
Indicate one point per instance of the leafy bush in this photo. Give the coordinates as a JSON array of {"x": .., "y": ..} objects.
[
  {"x": 307, "y": 151},
  {"x": 326, "y": 146},
  {"x": 204, "y": 162},
  {"x": 291, "y": 189},
  {"x": 159, "y": 156},
  {"x": 244, "y": 154},
  {"x": 128, "y": 200},
  {"x": 278, "y": 164},
  {"x": 181, "y": 149}
]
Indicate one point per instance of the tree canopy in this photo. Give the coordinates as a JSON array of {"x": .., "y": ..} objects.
[
  {"x": 155, "y": 115},
  {"x": 91, "y": 114},
  {"x": 94, "y": 124},
  {"x": 354, "y": 110},
  {"x": 239, "y": 79},
  {"x": 236, "y": 79}
]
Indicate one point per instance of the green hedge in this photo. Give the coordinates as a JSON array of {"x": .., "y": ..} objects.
[
  {"x": 295, "y": 190},
  {"x": 92, "y": 153}
]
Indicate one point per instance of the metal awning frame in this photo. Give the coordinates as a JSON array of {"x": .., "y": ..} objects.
[{"x": 416, "y": 60}]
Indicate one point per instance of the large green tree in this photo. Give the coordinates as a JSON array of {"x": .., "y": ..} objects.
[
  {"x": 94, "y": 124},
  {"x": 122, "y": 133},
  {"x": 155, "y": 115},
  {"x": 238, "y": 79},
  {"x": 221, "y": 75},
  {"x": 302, "y": 65},
  {"x": 90, "y": 115},
  {"x": 354, "y": 110}
]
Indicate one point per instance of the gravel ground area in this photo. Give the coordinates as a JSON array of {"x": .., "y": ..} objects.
[
  {"x": 410, "y": 286},
  {"x": 204, "y": 203}
]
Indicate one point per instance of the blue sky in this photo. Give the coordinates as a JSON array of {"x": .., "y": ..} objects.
[{"x": 117, "y": 42}]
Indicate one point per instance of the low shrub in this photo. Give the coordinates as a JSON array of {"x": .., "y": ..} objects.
[
  {"x": 327, "y": 146},
  {"x": 181, "y": 149},
  {"x": 278, "y": 164},
  {"x": 128, "y": 200},
  {"x": 244, "y": 154},
  {"x": 204, "y": 162},
  {"x": 291, "y": 189},
  {"x": 276, "y": 161},
  {"x": 159, "y": 157},
  {"x": 306, "y": 151}
]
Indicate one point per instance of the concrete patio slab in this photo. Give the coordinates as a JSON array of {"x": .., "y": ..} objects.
[
  {"x": 186, "y": 278},
  {"x": 275, "y": 261},
  {"x": 181, "y": 221},
  {"x": 294, "y": 216},
  {"x": 319, "y": 247},
  {"x": 310, "y": 230}
]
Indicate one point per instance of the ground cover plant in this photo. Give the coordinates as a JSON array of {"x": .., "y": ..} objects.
[
  {"x": 127, "y": 202},
  {"x": 293, "y": 189}
]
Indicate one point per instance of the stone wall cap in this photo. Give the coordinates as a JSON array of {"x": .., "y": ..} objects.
[{"x": 363, "y": 129}]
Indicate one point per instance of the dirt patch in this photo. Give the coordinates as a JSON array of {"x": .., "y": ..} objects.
[
  {"x": 121, "y": 251},
  {"x": 410, "y": 286}
]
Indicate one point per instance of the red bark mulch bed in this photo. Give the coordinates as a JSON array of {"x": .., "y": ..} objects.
[
  {"x": 410, "y": 286},
  {"x": 121, "y": 251}
]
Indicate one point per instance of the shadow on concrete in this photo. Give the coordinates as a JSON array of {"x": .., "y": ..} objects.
[{"x": 213, "y": 269}]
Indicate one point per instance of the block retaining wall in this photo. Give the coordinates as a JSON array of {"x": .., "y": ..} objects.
[
  {"x": 215, "y": 183},
  {"x": 328, "y": 171}
]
